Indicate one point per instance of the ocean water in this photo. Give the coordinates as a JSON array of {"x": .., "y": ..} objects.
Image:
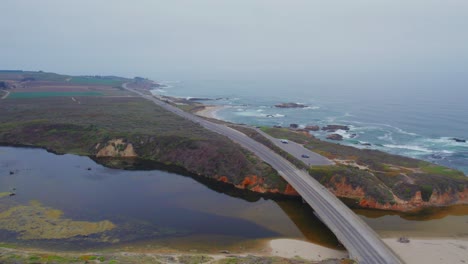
[{"x": 394, "y": 117}]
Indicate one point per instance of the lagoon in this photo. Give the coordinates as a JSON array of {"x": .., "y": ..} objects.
[{"x": 69, "y": 202}]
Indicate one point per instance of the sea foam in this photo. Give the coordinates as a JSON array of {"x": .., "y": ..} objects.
[{"x": 409, "y": 147}]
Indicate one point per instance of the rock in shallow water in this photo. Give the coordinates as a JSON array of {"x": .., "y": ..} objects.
[
  {"x": 335, "y": 137},
  {"x": 312, "y": 128},
  {"x": 333, "y": 128},
  {"x": 290, "y": 105}
]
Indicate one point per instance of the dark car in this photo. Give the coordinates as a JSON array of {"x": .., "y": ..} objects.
[{"x": 305, "y": 156}]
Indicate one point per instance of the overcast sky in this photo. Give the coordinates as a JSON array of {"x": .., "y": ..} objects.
[{"x": 206, "y": 38}]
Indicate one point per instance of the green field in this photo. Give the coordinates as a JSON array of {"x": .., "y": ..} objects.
[
  {"x": 27, "y": 95},
  {"x": 96, "y": 81},
  {"x": 39, "y": 76}
]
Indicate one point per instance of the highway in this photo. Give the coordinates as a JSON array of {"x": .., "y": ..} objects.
[
  {"x": 297, "y": 150},
  {"x": 362, "y": 243}
]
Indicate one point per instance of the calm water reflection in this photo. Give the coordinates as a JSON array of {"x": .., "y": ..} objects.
[
  {"x": 434, "y": 222},
  {"x": 161, "y": 209},
  {"x": 148, "y": 206}
]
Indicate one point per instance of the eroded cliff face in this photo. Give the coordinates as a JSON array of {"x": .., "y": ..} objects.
[
  {"x": 450, "y": 197},
  {"x": 116, "y": 148},
  {"x": 290, "y": 190},
  {"x": 257, "y": 184},
  {"x": 343, "y": 190},
  {"x": 197, "y": 157}
]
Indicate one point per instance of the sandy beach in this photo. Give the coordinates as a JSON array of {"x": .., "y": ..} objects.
[
  {"x": 210, "y": 111},
  {"x": 290, "y": 248},
  {"x": 421, "y": 250},
  {"x": 418, "y": 250},
  {"x": 431, "y": 250}
]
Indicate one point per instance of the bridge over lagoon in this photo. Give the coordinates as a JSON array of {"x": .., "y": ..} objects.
[{"x": 362, "y": 243}]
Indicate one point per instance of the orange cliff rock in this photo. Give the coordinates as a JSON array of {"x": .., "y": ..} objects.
[
  {"x": 290, "y": 190},
  {"x": 436, "y": 199},
  {"x": 250, "y": 181},
  {"x": 463, "y": 196},
  {"x": 342, "y": 189},
  {"x": 223, "y": 179},
  {"x": 116, "y": 148},
  {"x": 253, "y": 183},
  {"x": 257, "y": 184}
]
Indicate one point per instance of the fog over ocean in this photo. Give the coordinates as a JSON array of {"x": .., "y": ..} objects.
[{"x": 396, "y": 71}]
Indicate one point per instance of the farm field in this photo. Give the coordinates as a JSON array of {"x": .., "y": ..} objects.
[
  {"x": 19, "y": 95},
  {"x": 22, "y": 85}
]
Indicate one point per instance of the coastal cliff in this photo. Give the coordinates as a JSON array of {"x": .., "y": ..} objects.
[
  {"x": 206, "y": 154},
  {"x": 122, "y": 131},
  {"x": 374, "y": 179},
  {"x": 438, "y": 197}
]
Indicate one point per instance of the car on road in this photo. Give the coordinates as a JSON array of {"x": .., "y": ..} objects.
[
  {"x": 305, "y": 156},
  {"x": 284, "y": 141}
]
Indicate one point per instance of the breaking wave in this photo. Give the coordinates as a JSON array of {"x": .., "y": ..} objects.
[{"x": 409, "y": 147}]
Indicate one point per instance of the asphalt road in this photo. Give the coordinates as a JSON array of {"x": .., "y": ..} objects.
[
  {"x": 362, "y": 243},
  {"x": 297, "y": 150}
]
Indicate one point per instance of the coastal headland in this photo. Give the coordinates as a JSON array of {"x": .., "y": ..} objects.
[{"x": 94, "y": 116}]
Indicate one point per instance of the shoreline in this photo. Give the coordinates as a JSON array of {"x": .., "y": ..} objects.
[
  {"x": 432, "y": 250},
  {"x": 210, "y": 111},
  {"x": 419, "y": 250},
  {"x": 293, "y": 248},
  {"x": 428, "y": 250},
  {"x": 284, "y": 248}
]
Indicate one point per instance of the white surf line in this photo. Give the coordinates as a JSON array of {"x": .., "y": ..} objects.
[{"x": 6, "y": 95}]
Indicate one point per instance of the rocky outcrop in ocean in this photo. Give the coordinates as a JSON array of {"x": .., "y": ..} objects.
[
  {"x": 312, "y": 128},
  {"x": 334, "y": 128},
  {"x": 290, "y": 105},
  {"x": 335, "y": 137}
]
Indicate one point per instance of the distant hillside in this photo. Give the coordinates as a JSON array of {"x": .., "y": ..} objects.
[{"x": 94, "y": 116}]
